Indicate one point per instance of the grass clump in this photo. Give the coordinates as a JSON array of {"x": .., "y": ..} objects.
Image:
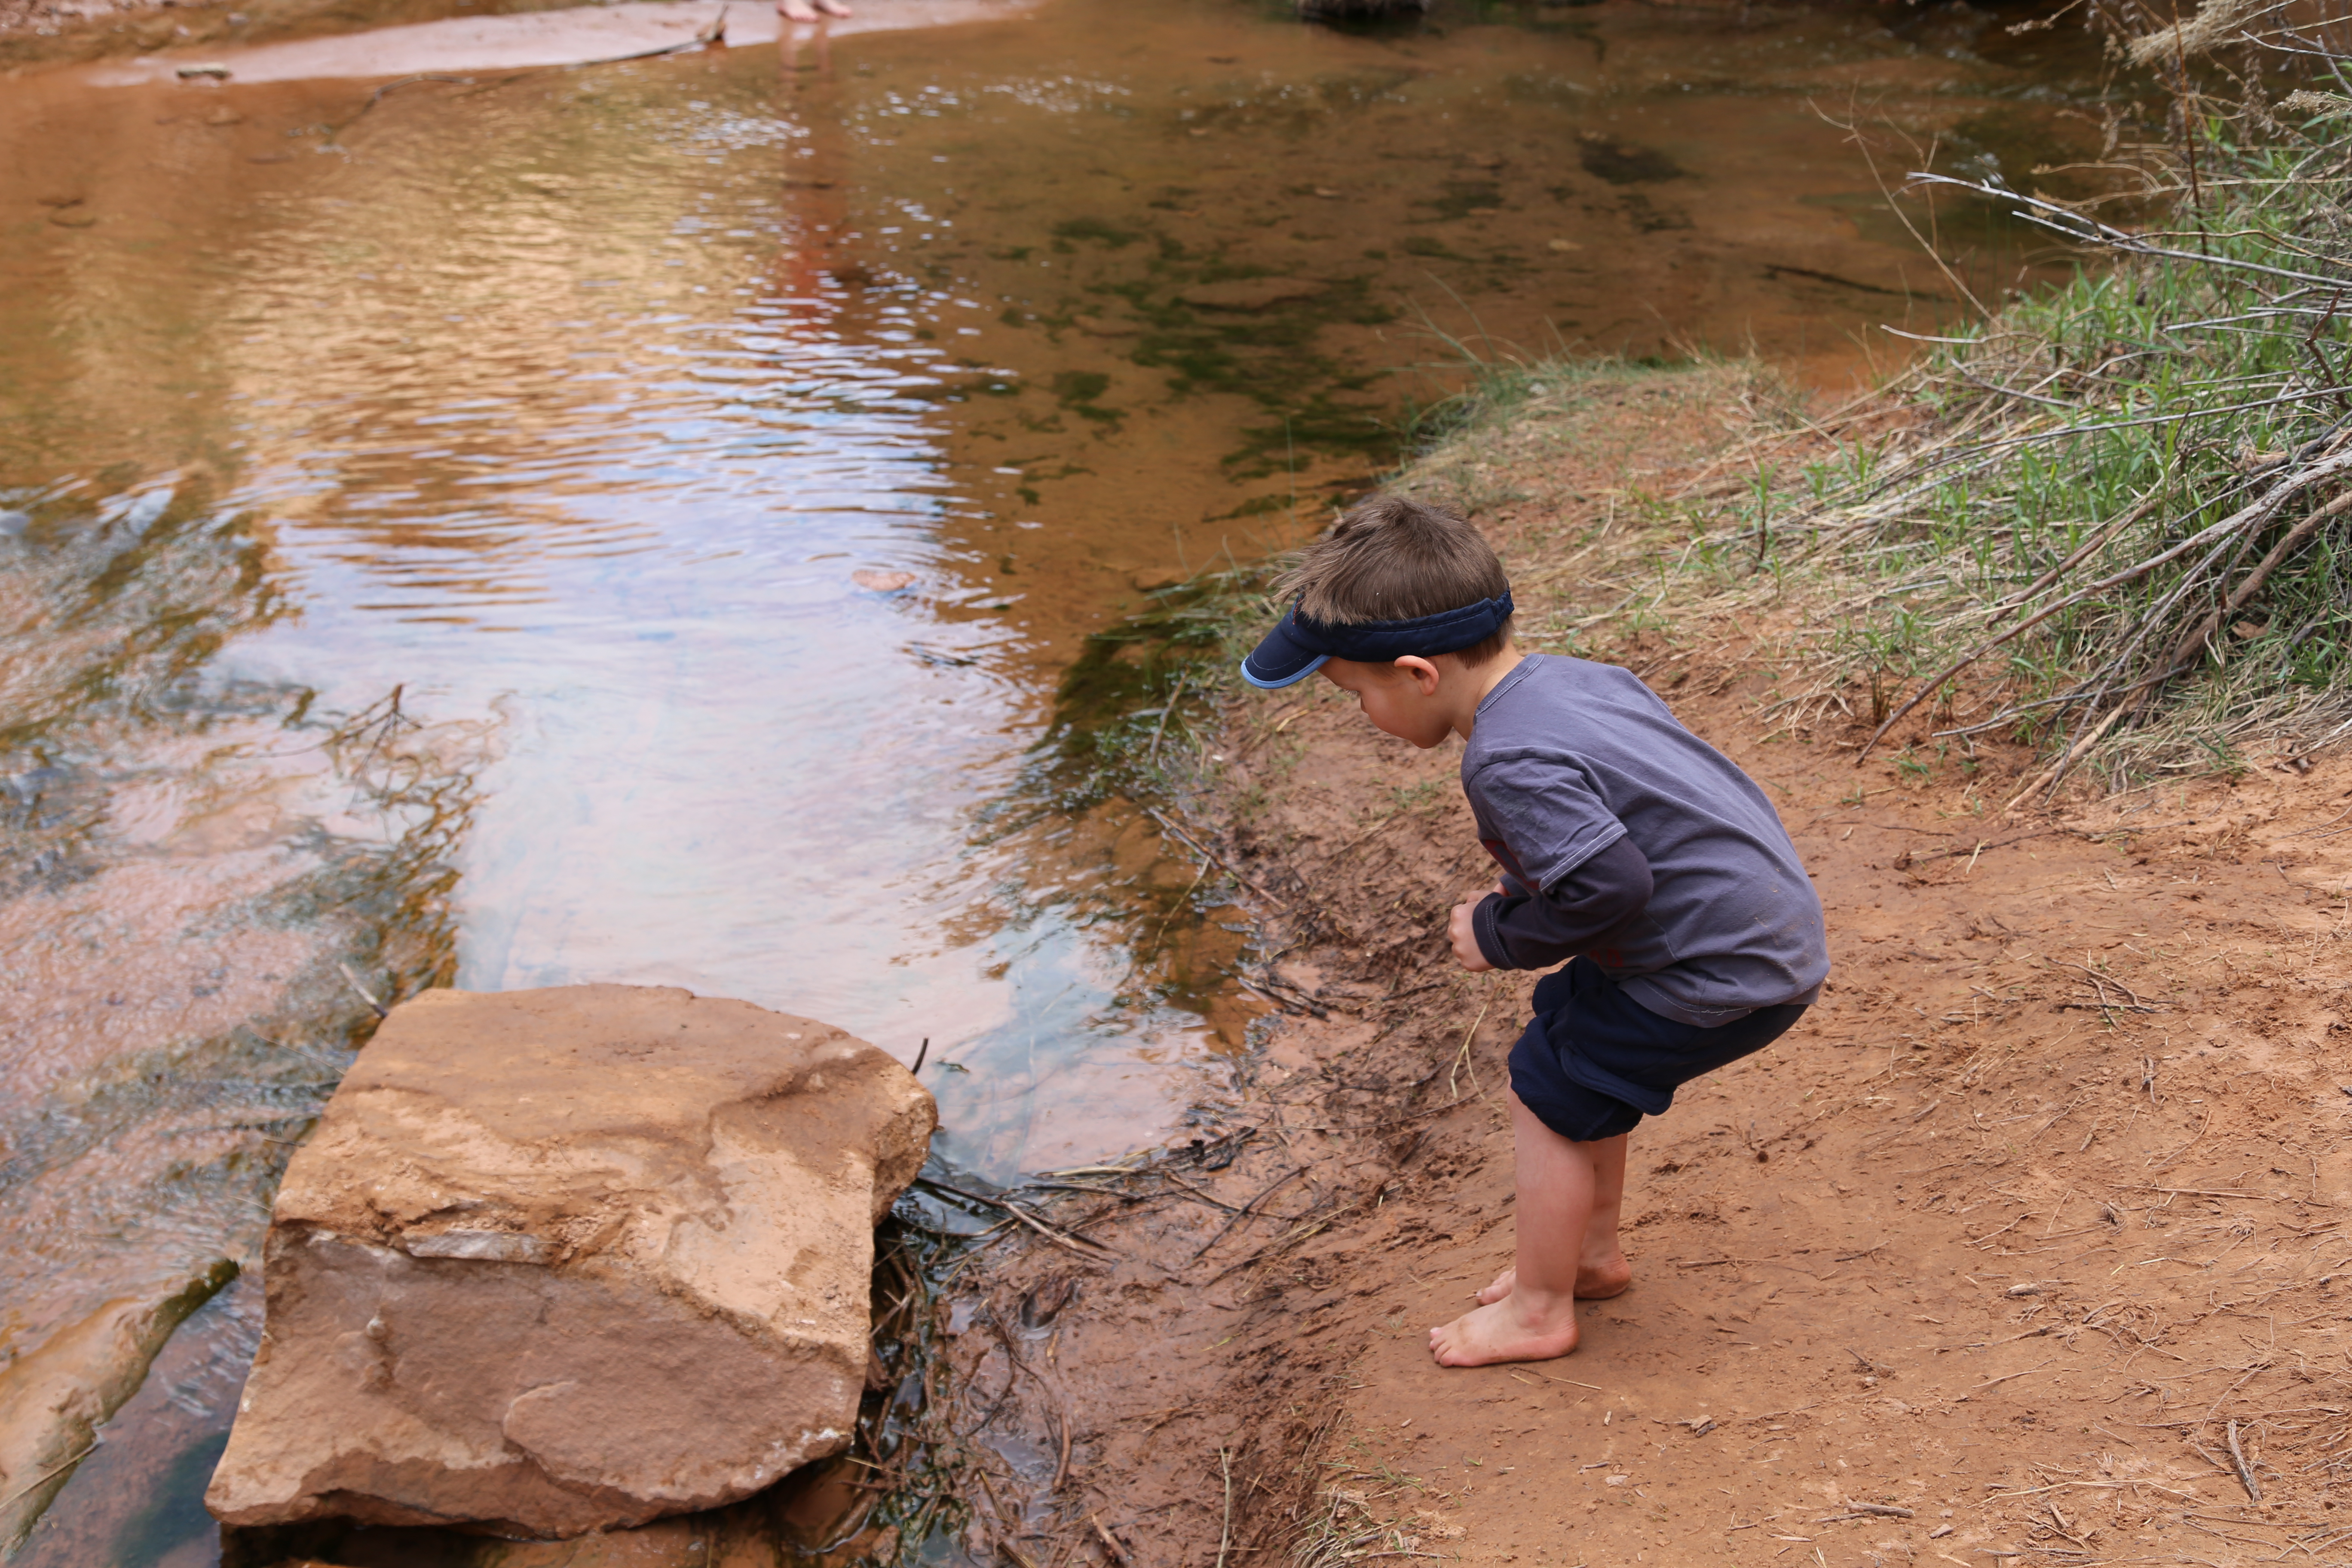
[
  {"x": 2127, "y": 499},
  {"x": 2114, "y": 521}
]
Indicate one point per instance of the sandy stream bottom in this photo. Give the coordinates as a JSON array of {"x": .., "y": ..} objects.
[{"x": 1971, "y": 1266}]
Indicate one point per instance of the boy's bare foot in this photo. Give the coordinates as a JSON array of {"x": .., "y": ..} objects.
[
  {"x": 1502, "y": 1332},
  {"x": 810, "y": 10},
  {"x": 1594, "y": 1281},
  {"x": 1599, "y": 1281}
]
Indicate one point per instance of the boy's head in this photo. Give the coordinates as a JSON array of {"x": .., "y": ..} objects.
[
  {"x": 1398, "y": 600},
  {"x": 1389, "y": 559}
]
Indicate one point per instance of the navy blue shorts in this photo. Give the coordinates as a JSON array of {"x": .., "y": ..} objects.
[{"x": 1595, "y": 1061}]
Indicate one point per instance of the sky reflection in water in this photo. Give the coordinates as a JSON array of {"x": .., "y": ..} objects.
[{"x": 561, "y": 440}]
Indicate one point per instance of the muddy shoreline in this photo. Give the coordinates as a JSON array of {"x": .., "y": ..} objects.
[{"x": 1987, "y": 1234}]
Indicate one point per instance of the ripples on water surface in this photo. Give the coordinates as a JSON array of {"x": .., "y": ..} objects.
[{"x": 568, "y": 403}]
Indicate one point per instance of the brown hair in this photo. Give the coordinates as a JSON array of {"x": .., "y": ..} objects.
[{"x": 1389, "y": 559}]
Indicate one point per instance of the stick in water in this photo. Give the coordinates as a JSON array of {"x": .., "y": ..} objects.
[
  {"x": 48, "y": 1476},
  {"x": 365, "y": 995}
]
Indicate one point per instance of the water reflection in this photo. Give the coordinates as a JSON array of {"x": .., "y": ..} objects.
[
  {"x": 589, "y": 433},
  {"x": 190, "y": 873},
  {"x": 643, "y": 427}
]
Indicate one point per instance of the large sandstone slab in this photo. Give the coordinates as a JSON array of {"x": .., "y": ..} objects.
[{"x": 564, "y": 1260}]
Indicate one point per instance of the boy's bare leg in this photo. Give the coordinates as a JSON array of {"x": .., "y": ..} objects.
[
  {"x": 1601, "y": 1270},
  {"x": 1560, "y": 1190},
  {"x": 804, "y": 11}
]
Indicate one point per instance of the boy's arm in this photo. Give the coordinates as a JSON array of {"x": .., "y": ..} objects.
[{"x": 1569, "y": 918}]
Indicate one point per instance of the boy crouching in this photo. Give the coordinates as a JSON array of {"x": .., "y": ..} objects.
[{"x": 1628, "y": 846}]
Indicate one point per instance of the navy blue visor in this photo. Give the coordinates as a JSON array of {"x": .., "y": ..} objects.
[{"x": 1297, "y": 646}]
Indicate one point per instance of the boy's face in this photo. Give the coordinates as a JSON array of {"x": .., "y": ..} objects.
[{"x": 1401, "y": 700}]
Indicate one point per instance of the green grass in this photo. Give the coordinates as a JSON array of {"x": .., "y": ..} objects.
[
  {"x": 1138, "y": 706},
  {"x": 2115, "y": 507}
]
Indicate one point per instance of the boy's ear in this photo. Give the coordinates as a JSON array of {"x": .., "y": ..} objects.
[{"x": 1423, "y": 673}]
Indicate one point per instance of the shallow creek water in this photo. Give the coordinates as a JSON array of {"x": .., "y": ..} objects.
[{"x": 449, "y": 531}]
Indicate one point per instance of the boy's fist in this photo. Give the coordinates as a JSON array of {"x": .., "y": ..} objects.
[{"x": 1464, "y": 936}]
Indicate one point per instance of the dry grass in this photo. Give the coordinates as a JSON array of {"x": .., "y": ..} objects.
[{"x": 1345, "y": 1527}]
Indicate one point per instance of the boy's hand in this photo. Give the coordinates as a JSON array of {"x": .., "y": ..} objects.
[{"x": 1464, "y": 936}]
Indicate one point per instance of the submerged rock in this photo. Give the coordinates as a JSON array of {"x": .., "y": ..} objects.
[
  {"x": 1250, "y": 293},
  {"x": 1334, "y": 10},
  {"x": 564, "y": 1260},
  {"x": 54, "y": 1400}
]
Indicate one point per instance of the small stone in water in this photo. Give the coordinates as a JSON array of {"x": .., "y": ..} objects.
[{"x": 882, "y": 582}]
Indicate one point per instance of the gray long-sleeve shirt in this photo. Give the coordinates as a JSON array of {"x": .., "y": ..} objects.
[
  {"x": 1568, "y": 758},
  {"x": 1573, "y": 915}
]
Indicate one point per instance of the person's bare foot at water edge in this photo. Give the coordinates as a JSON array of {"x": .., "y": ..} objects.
[
  {"x": 1522, "y": 1326},
  {"x": 1596, "y": 1281},
  {"x": 810, "y": 10}
]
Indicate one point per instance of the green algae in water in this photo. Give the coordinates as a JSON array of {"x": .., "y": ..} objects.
[{"x": 1135, "y": 692}]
